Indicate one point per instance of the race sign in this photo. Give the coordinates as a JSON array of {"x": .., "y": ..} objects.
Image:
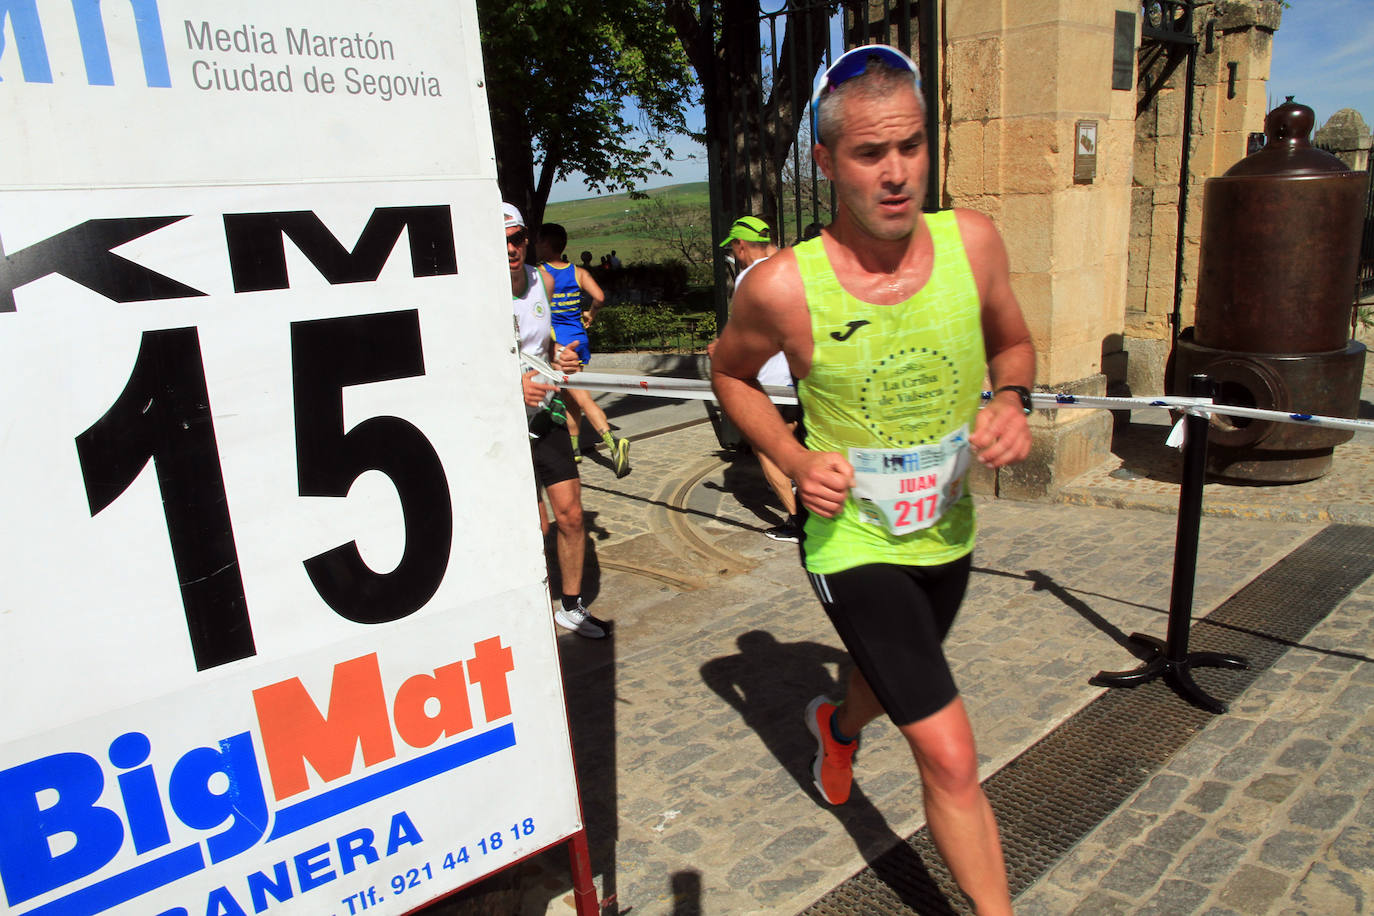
[{"x": 275, "y": 627}]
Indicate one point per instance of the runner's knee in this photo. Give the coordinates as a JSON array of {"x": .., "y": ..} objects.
[
  {"x": 568, "y": 514},
  {"x": 948, "y": 763}
]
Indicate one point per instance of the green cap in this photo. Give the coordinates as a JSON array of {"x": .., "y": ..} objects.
[{"x": 748, "y": 229}]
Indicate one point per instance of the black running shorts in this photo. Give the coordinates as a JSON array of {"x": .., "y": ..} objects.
[
  {"x": 892, "y": 620},
  {"x": 553, "y": 457}
]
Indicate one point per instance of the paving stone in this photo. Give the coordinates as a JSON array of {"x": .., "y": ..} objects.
[
  {"x": 1175, "y": 897},
  {"x": 1137, "y": 871},
  {"x": 1253, "y": 889},
  {"x": 1239, "y": 763},
  {"x": 1360, "y": 741},
  {"x": 1272, "y": 787},
  {"x": 1304, "y": 754},
  {"x": 1175, "y": 832},
  {"x": 1210, "y": 861},
  {"x": 1320, "y": 809},
  {"x": 1124, "y": 827},
  {"x": 1290, "y": 849},
  {"x": 1160, "y": 793},
  {"x": 1100, "y": 903},
  {"x": 1325, "y": 890},
  {"x": 1209, "y": 796},
  {"x": 1354, "y": 849},
  {"x": 1356, "y": 698}
]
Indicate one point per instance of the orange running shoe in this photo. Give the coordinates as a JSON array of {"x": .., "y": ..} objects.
[{"x": 833, "y": 768}]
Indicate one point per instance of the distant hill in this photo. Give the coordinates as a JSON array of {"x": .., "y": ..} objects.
[{"x": 599, "y": 224}]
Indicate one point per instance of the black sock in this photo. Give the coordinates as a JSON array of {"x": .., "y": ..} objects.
[
  {"x": 835, "y": 730},
  {"x": 571, "y": 601}
]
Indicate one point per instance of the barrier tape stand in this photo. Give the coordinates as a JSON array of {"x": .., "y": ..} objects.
[{"x": 1170, "y": 656}]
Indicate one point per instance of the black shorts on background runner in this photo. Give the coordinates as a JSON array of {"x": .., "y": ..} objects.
[{"x": 553, "y": 457}]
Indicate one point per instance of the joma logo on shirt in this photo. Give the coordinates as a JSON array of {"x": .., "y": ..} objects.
[{"x": 852, "y": 326}]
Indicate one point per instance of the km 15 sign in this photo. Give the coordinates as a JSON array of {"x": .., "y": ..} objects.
[{"x": 276, "y": 636}]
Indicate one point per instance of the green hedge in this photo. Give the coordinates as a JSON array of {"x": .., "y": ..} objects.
[{"x": 650, "y": 327}]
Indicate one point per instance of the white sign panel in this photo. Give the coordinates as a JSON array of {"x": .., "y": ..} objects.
[{"x": 275, "y": 632}]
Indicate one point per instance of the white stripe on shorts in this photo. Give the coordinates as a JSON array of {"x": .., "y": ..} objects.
[{"x": 819, "y": 584}]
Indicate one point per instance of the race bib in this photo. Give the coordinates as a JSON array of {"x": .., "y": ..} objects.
[{"x": 907, "y": 489}]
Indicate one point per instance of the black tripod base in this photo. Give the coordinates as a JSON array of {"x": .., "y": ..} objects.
[{"x": 1177, "y": 672}]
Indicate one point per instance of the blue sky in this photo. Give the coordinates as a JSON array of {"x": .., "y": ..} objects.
[{"x": 1323, "y": 57}]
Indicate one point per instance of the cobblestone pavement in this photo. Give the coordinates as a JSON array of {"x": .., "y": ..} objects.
[{"x": 694, "y": 763}]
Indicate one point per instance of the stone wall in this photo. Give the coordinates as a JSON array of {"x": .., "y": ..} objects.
[{"x": 1018, "y": 77}]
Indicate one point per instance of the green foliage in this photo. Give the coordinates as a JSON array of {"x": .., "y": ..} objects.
[
  {"x": 655, "y": 326},
  {"x": 681, "y": 230},
  {"x": 559, "y": 75}
]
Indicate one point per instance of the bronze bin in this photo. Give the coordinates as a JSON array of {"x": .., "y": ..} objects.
[{"x": 1280, "y": 250}]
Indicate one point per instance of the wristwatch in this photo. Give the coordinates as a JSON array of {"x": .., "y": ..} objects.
[{"x": 1022, "y": 391}]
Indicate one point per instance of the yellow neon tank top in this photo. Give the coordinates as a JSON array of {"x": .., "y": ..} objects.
[{"x": 891, "y": 377}]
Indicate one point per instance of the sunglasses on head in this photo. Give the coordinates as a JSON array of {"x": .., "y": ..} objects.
[
  {"x": 849, "y": 65},
  {"x": 518, "y": 238}
]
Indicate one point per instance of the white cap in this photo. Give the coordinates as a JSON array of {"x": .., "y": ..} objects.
[{"x": 512, "y": 214}]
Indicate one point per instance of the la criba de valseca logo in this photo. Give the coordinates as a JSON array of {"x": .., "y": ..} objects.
[{"x": 66, "y": 816}]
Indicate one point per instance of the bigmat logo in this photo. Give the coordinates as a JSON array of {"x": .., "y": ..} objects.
[
  {"x": 66, "y": 816},
  {"x": 32, "y": 48}
]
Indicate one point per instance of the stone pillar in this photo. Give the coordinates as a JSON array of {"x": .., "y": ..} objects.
[
  {"x": 1018, "y": 77},
  {"x": 1235, "y": 45}
]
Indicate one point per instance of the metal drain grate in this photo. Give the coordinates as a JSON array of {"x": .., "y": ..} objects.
[{"x": 1057, "y": 790}]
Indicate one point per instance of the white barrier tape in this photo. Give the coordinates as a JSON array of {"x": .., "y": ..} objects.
[
  {"x": 657, "y": 386},
  {"x": 699, "y": 389},
  {"x": 1198, "y": 406}
]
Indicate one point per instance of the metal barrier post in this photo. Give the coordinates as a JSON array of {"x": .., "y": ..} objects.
[{"x": 1170, "y": 656}]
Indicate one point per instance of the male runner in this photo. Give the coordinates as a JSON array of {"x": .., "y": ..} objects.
[
  {"x": 889, "y": 320},
  {"x": 570, "y": 323},
  {"x": 750, "y": 241},
  {"x": 550, "y": 446}
]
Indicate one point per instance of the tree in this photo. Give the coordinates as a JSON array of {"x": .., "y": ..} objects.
[
  {"x": 767, "y": 108},
  {"x": 683, "y": 230},
  {"x": 559, "y": 76}
]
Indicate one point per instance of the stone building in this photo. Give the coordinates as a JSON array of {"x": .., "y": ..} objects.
[
  {"x": 1346, "y": 135},
  {"x": 1066, "y": 123}
]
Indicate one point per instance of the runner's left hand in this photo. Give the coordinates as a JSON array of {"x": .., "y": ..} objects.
[{"x": 1001, "y": 435}]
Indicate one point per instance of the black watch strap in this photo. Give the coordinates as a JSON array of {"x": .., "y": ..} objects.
[{"x": 1020, "y": 390}]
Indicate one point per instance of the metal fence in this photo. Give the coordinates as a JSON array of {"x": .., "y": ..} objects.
[{"x": 1364, "y": 282}]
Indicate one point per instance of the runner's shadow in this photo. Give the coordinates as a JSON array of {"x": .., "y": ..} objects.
[
  {"x": 769, "y": 683},
  {"x": 743, "y": 479}
]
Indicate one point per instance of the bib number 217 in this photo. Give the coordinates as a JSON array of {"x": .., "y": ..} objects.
[{"x": 163, "y": 415}]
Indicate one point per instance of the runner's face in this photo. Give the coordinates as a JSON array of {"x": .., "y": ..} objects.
[
  {"x": 517, "y": 238},
  {"x": 879, "y": 164}
]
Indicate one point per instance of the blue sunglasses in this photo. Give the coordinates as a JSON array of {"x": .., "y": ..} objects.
[{"x": 849, "y": 65}]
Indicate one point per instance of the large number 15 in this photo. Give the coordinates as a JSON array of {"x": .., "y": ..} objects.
[{"x": 163, "y": 414}]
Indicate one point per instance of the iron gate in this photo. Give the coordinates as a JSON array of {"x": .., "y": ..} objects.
[
  {"x": 1364, "y": 283},
  {"x": 759, "y": 154}
]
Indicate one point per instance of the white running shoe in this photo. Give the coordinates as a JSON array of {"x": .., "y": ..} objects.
[{"x": 579, "y": 621}]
